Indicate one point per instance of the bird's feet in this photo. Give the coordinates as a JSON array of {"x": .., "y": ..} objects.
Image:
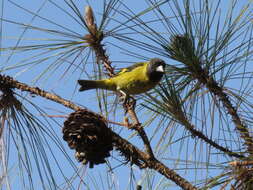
[{"x": 128, "y": 101}]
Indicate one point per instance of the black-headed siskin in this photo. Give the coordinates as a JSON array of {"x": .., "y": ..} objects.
[{"x": 135, "y": 79}]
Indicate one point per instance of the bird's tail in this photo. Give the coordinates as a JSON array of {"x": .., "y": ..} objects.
[
  {"x": 106, "y": 84},
  {"x": 87, "y": 84}
]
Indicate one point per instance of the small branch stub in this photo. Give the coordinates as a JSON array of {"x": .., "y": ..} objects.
[
  {"x": 7, "y": 98},
  {"x": 89, "y": 19}
]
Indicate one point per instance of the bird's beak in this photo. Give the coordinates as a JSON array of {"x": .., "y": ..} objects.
[{"x": 160, "y": 69}]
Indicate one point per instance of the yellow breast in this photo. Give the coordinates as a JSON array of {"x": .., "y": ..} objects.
[{"x": 134, "y": 82}]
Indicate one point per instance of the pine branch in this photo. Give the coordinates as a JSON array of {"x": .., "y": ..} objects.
[
  {"x": 200, "y": 135},
  {"x": 182, "y": 49},
  {"x": 124, "y": 146},
  {"x": 120, "y": 144},
  {"x": 94, "y": 39},
  {"x": 172, "y": 104},
  {"x": 35, "y": 90},
  {"x": 181, "y": 117},
  {"x": 213, "y": 86}
]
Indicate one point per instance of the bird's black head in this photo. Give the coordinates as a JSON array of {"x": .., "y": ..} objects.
[{"x": 156, "y": 69}]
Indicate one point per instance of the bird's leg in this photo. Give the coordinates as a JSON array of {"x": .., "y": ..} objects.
[
  {"x": 131, "y": 101},
  {"x": 123, "y": 97},
  {"x": 128, "y": 101}
]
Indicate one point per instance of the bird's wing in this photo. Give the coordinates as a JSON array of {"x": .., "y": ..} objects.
[{"x": 130, "y": 68}]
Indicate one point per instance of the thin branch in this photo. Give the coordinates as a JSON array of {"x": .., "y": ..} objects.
[
  {"x": 35, "y": 90},
  {"x": 241, "y": 163},
  {"x": 181, "y": 117},
  {"x": 200, "y": 135},
  {"x": 94, "y": 39},
  {"x": 152, "y": 163},
  {"x": 172, "y": 104},
  {"x": 182, "y": 49},
  {"x": 214, "y": 88}
]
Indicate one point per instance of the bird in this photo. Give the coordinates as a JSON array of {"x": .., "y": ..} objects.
[{"x": 136, "y": 79}]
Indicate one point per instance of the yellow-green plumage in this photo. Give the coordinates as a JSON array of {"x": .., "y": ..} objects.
[{"x": 132, "y": 80}]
